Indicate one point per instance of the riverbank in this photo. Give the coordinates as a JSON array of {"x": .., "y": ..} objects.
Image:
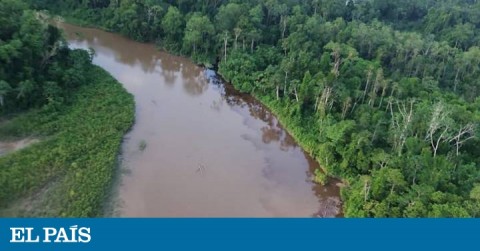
[
  {"x": 293, "y": 130},
  {"x": 270, "y": 106},
  {"x": 201, "y": 135},
  {"x": 321, "y": 175},
  {"x": 69, "y": 172},
  {"x": 368, "y": 116}
]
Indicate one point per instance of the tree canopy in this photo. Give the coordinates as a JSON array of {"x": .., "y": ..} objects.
[
  {"x": 48, "y": 92},
  {"x": 383, "y": 93}
]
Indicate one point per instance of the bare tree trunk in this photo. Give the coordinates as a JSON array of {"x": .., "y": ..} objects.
[
  {"x": 284, "y": 23},
  {"x": 369, "y": 75},
  {"x": 336, "y": 66},
  {"x": 366, "y": 190},
  {"x": 346, "y": 105},
  {"x": 237, "y": 31},
  {"x": 49, "y": 54},
  {"x": 296, "y": 93},
  {"x": 436, "y": 144},
  {"x": 384, "y": 91},
  {"x": 402, "y": 125},
  {"x": 225, "y": 41},
  {"x": 437, "y": 122},
  {"x": 392, "y": 189},
  {"x": 316, "y": 103},
  {"x": 324, "y": 101},
  {"x": 456, "y": 80},
  {"x": 374, "y": 135},
  {"x": 467, "y": 131}
]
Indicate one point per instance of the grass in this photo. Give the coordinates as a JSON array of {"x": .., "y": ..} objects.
[{"x": 70, "y": 171}]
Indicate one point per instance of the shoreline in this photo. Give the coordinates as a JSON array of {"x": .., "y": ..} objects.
[{"x": 337, "y": 181}]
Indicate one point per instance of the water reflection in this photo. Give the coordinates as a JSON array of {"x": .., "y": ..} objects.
[
  {"x": 146, "y": 56},
  {"x": 169, "y": 69},
  {"x": 249, "y": 165},
  {"x": 272, "y": 131},
  {"x": 193, "y": 80}
]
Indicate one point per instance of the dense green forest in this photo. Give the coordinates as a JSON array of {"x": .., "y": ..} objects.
[
  {"x": 383, "y": 93},
  {"x": 76, "y": 111}
]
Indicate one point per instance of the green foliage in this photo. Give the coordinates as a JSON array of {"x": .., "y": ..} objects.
[
  {"x": 36, "y": 67},
  {"x": 197, "y": 33},
  {"x": 79, "y": 146},
  {"x": 142, "y": 145},
  {"x": 383, "y": 93},
  {"x": 172, "y": 25},
  {"x": 320, "y": 177},
  {"x": 78, "y": 111}
]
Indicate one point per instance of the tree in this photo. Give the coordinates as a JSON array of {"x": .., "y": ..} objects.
[
  {"x": 228, "y": 16},
  {"x": 198, "y": 31},
  {"x": 5, "y": 88},
  {"x": 401, "y": 123},
  {"x": 438, "y": 129},
  {"x": 255, "y": 17},
  {"x": 340, "y": 54},
  {"x": 475, "y": 192},
  {"x": 366, "y": 180},
  {"x": 387, "y": 181},
  {"x": 172, "y": 24},
  {"x": 382, "y": 92},
  {"x": 12, "y": 11},
  {"x": 463, "y": 135}
]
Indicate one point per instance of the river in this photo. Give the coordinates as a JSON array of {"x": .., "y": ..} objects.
[{"x": 199, "y": 148}]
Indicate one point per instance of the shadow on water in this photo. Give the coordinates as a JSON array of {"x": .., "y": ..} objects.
[
  {"x": 211, "y": 151},
  {"x": 273, "y": 131}
]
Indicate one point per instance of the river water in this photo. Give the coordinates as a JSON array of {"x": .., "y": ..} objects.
[{"x": 198, "y": 148}]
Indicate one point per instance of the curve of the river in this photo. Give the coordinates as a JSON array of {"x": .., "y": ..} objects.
[{"x": 198, "y": 148}]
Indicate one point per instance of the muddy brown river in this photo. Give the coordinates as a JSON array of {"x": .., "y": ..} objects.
[{"x": 198, "y": 148}]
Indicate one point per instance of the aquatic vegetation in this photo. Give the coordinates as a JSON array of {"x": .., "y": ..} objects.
[
  {"x": 142, "y": 145},
  {"x": 320, "y": 177}
]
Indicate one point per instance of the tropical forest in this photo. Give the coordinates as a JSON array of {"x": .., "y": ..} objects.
[{"x": 383, "y": 94}]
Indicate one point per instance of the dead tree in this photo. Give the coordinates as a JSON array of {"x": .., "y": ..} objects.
[
  {"x": 325, "y": 101},
  {"x": 225, "y": 43},
  {"x": 237, "y": 32},
  {"x": 463, "y": 135},
  {"x": 401, "y": 123},
  {"x": 369, "y": 76},
  {"x": 346, "y": 105},
  {"x": 438, "y": 128}
]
